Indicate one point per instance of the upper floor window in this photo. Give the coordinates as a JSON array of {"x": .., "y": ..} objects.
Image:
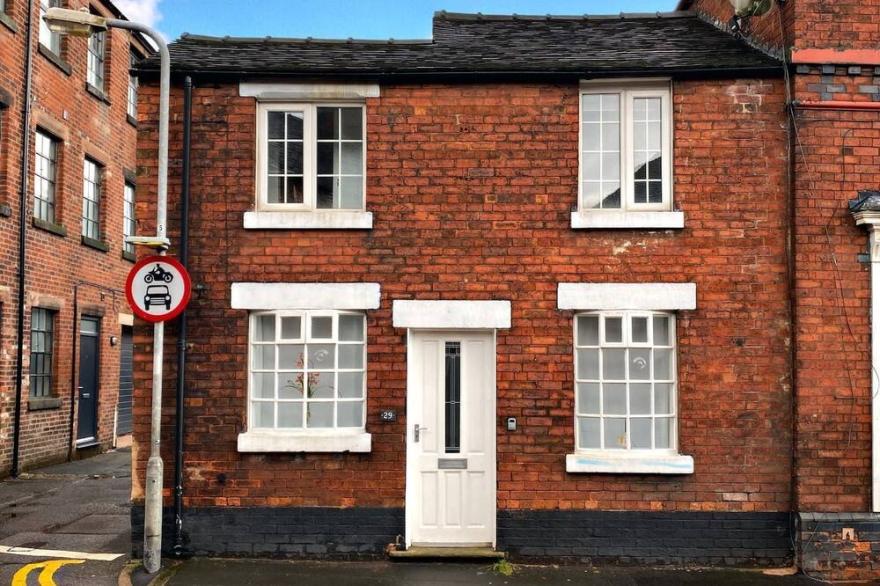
[
  {"x": 307, "y": 370},
  {"x": 42, "y": 343},
  {"x": 91, "y": 205},
  {"x": 95, "y": 66},
  {"x": 625, "y": 370},
  {"x": 311, "y": 157},
  {"x": 625, "y": 147},
  {"x": 45, "y": 173},
  {"x": 48, "y": 39},
  {"x": 132, "y": 97},
  {"x": 129, "y": 226}
]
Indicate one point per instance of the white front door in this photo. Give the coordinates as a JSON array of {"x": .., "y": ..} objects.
[{"x": 450, "y": 490}]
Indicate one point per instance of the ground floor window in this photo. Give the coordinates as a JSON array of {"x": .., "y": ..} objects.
[
  {"x": 625, "y": 381},
  {"x": 307, "y": 370},
  {"x": 42, "y": 342}
]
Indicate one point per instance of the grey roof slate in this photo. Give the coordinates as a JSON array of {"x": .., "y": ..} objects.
[{"x": 476, "y": 44}]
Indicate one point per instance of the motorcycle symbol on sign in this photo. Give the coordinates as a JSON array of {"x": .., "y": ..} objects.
[{"x": 158, "y": 274}]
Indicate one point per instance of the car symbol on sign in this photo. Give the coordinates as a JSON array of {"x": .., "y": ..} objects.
[{"x": 157, "y": 295}]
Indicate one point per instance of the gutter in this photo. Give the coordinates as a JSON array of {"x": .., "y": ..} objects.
[{"x": 22, "y": 241}]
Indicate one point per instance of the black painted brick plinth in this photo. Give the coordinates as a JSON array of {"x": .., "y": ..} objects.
[
  {"x": 647, "y": 538},
  {"x": 314, "y": 532},
  {"x": 824, "y": 553}
]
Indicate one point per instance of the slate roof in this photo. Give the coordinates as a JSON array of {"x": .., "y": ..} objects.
[{"x": 477, "y": 45}]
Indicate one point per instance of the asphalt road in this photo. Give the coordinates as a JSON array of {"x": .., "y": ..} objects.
[{"x": 78, "y": 507}]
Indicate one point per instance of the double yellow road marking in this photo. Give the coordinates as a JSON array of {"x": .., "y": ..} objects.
[{"x": 47, "y": 573}]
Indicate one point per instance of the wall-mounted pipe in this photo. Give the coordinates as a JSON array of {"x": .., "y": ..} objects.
[{"x": 836, "y": 105}]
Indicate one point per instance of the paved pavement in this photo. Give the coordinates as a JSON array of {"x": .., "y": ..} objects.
[
  {"x": 79, "y": 507},
  {"x": 216, "y": 572}
]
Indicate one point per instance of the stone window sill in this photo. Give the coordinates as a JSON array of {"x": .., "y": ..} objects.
[
  {"x": 131, "y": 120},
  {"x": 8, "y": 22},
  {"x": 96, "y": 244},
  {"x": 621, "y": 220},
  {"x": 55, "y": 59},
  {"x": 309, "y": 220},
  {"x": 52, "y": 227},
  {"x": 43, "y": 403},
  {"x": 266, "y": 440},
  {"x": 97, "y": 93},
  {"x": 597, "y": 462},
  {"x": 129, "y": 256}
]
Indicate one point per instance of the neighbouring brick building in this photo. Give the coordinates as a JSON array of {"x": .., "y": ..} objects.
[
  {"x": 78, "y": 191},
  {"x": 579, "y": 288}
]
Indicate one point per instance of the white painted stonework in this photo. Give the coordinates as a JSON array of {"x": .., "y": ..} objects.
[
  {"x": 266, "y": 440},
  {"x": 125, "y": 319},
  {"x": 308, "y": 91},
  {"x": 620, "y": 296},
  {"x": 308, "y": 220},
  {"x": 262, "y": 296},
  {"x": 604, "y": 463},
  {"x": 444, "y": 315},
  {"x": 608, "y": 220}
]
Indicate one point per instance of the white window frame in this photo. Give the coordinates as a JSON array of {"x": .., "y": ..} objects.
[
  {"x": 310, "y": 160},
  {"x": 96, "y": 60},
  {"x": 627, "y": 343},
  {"x": 630, "y": 214},
  {"x": 92, "y": 203},
  {"x": 305, "y": 439},
  {"x": 49, "y": 39},
  {"x": 45, "y": 176},
  {"x": 133, "y": 84},
  {"x": 129, "y": 223}
]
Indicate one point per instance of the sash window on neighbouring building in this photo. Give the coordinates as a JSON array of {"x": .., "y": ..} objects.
[
  {"x": 132, "y": 96},
  {"x": 48, "y": 39},
  {"x": 95, "y": 65},
  {"x": 91, "y": 204},
  {"x": 42, "y": 334},
  {"x": 129, "y": 225},
  {"x": 45, "y": 174}
]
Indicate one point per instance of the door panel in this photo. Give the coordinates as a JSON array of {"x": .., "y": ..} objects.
[
  {"x": 451, "y": 456},
  {"x": 87, "y": 428}
]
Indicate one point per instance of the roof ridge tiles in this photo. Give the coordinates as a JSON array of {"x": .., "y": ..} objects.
[
  {"x": 307, "y": 40},
  {"x": 479, "y": 16}
]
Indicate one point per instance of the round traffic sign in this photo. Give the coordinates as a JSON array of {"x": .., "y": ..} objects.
[{"x": 158, "y": 288}]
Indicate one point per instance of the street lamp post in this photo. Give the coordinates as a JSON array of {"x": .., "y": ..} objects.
[{"x": 84, "y": 24}]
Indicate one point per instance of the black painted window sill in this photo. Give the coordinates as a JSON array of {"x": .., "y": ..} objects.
[
  {"x": 101, "y": 245},
  {"x": 5, "y": 210},
  {"x": 55, "y": 59},
  {"x": 129, "y": 256},
  {"x": 97, "y": 93},
  {"x": 131, "y": 120},
  {"x": 56, "y": 229},
  {"x": 43, "y": 403},
  {"x": 8, "y": 22}
]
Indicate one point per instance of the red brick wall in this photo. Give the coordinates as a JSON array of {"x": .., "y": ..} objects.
[
  {"x": 471, "y": 187},
  {"x": 765, "y": 30},
  {"x": 56, "y": 263}
]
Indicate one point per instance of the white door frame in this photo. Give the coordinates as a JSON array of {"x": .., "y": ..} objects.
[{"x": 413, "y": 408}]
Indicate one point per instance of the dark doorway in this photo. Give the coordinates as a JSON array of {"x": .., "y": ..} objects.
[
  {"x": 123, "y": 407},
  {"x": 87, "y": 428}
]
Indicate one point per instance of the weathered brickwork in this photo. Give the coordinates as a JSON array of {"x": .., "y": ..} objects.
[
  {"x": 840, "y": 547},
  {"x": 471, "y": 188},
  {"x": 57, "y": 263}
]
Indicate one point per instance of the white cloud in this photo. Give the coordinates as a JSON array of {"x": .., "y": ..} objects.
[{"x": 142, "y": 11}]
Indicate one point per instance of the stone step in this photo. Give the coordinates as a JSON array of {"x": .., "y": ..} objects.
[{"x": 422, "y": 552}]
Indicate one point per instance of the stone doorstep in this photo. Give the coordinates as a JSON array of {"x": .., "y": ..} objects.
[{"x": 422, "y": 553}]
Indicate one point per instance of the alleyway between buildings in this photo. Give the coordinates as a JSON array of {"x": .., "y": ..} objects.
[{"x": 67, "y": 524}]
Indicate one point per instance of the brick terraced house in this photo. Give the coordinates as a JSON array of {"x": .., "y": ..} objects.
[
  {"x": 574, "y": 288},
  {"x": 67, "y": 189}
]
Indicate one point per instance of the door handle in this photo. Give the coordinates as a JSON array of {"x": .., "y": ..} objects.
[
  {"x": 84, "y": 395},
  {"x": 417, "y": 430}
]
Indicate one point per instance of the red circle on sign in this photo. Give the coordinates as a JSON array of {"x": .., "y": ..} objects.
[{"x": 174, "y": 311}]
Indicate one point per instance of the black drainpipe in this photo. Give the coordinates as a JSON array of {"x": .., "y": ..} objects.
[
  {"x": 22, "y": 217},
  {"x": 178, "y": 547}
]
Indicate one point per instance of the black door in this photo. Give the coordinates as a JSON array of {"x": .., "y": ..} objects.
[
  {"x": 87, "y": 430},
  {"x": 123, "y": 407}
]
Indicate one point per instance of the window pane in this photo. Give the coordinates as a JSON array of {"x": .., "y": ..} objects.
[
  {"x": 662, "y": 398},
  {"x": 264, "y": 385},
  {"x": 661, "y": 330},
  {"x": 613, "y": 330},
  {"x": 640, "y": 398},
  {"x": 611, "y": 194},
  {"x": 588, "y": 364},
  {"x": 264, "y": 414},
  {"x": 588, "y": 432},
  {"x": 294, "y": 158},
  {"x": 275, "y": 190},
  {"x": 351, "y": 328},
  {"x": 328, "y": 123},
  {"x": 328, "y": 158},
  {"x": 275, "y": 158},
  {"x": 351, "y": 385},
  {"x": 327, "y": 194},
  {"x": 588, "y": 330},
  {"x": 295, "y": 190},
  {"x": 290, "y": 385},
  {"x": 264, "y": 357},
  {"x": 322, "y": 327},
  {"x": 351, "y": 414},
  {"x": 647, "y": 146},
  {"x": 640, "y": 330},
  {"x": 663, "y": 364},
  {"x": 452, "y": 402},
  {"x": 600, "y": 144},
  {"x": 294, "y": 125},
  {"x": 276, "y": 125},
  {"x": 291, "y": 356},
  {"x": 640, "y": 434},
  {"x": 588, "y": 397},
  {"x": 662, "y": 433},
  {"x": 322, "y": 385},
  {"x": 264, "y": 328},
  {"x": 322, "y": 356},
  {"x": 291, "y": 328},
  {"x": 614, "y": 398},
  {"x": 615, "y": 433},
  {"x": 352, "y": 158},
  {"x": 290, "y": 415},
  {"x": 320, "y": 414},
  {"x": 351, "y": 356},
  {"x": 351, "y": 193},
  {"x": 352, "y": 124},
  {"x": 640, "y": 364},
  {"x": 614, "y": 364}
]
